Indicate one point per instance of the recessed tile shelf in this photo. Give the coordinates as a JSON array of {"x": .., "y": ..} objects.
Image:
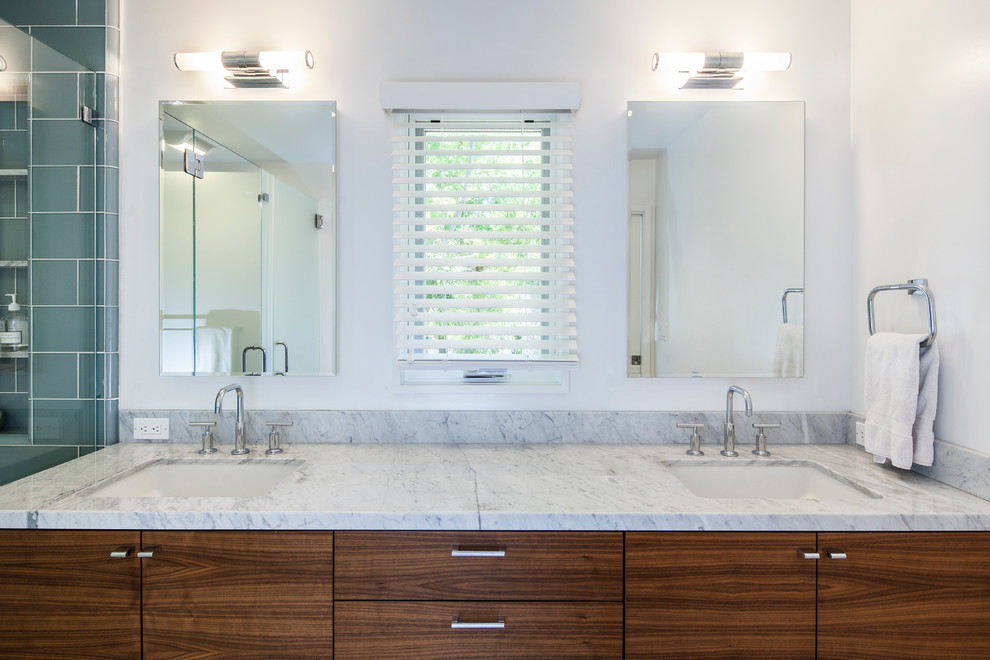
[
  {"x": 14, "y": 354},
  {"x": 11, "y": 173},
  {"x": 18, "y": 263}
]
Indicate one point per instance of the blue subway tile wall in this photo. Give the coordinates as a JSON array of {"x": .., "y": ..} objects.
[{"x": 59, "y": 232}]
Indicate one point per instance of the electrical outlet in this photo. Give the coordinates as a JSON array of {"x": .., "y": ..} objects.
[
  {"x": 860, "y": 434},
  {"x": 150, "y": 428}
]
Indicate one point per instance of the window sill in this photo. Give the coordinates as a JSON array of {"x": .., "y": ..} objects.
[{"x": 440, "y": 379}]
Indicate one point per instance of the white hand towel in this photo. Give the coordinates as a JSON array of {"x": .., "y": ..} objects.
[
  {"x": 895, "y": 394},
  {"x": 924, "y": 434},
  {"x": 213, "y": 350},
  {"x": 788, "y": 353}
]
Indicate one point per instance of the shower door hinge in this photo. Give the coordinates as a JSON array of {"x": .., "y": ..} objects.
[
  {"x": 636, "y": 360},
  {"x": 319, "y": 221},
  {"x": 263, "y": 197},
  {"x": 192, "y": 163},
  {"x": 87, "y": 115}
]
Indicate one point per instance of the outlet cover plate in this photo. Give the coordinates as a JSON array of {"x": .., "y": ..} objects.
[
  {"x": 860, "y": 434},
  {"x": 150, "y": 428}
]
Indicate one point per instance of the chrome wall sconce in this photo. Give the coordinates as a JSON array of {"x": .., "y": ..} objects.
[
  {"x": 246, "y": 68},
  {"x": 722, "y": 70}
]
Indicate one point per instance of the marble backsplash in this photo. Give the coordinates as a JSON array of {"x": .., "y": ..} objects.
[{"x": 497, "y": 426}]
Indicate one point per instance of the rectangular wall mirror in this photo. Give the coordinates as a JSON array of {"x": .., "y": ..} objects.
[
  {"x": 716, "y": 239},
  {"x": 248, "y": 238}
]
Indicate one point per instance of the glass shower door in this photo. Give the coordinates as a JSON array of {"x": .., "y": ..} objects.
[{"x": 211, "y": 250}]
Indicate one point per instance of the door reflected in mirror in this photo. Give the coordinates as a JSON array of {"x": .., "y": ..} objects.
[
  {"x": 716, "y": 239},
  {"x": 248, "y": 240}
]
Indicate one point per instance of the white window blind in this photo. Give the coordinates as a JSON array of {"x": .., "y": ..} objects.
[{"x": 484, "y": 268}]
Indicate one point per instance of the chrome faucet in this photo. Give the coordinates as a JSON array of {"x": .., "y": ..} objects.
[
  {"x": 730, "y": 429},
  {"x": 239, "y": 442}
]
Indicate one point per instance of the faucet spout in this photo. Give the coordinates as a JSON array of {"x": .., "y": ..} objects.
[
  {"x": 240, "y": 444},
  {"x": 729, "y": 428}
]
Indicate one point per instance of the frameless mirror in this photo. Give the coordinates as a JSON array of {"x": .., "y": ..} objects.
[
  {"x": 247, "y": 202},
  {"x": 716, "y": 239}
]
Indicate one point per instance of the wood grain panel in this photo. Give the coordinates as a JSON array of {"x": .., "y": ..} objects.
[
  {"x": 536, "y": 566},
  {"x": 248, "y": 594},
  {"x": 62, "y": 596},
  {"x": 417, "y": 629},
  {"x": 719, "y": 595},
  {"x": 905, "y": 595}
]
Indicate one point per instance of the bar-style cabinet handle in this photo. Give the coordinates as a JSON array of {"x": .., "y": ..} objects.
[
  {"x": 835, "y": 554},
  {"x": 810, "y": 554},
  {"x": 147, "y": 553},
  {"x": 469, "y": 551},
  {"x": 123, "y": 552},
  {"x": 456, "y": 624}
]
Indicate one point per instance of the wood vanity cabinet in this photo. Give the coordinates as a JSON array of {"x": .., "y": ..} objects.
[
  {"x": 720, "y": 595},
  {"x": 265, "y": 594},
  {"x": 902, "y": 595},
  {"x": 478, "y": 594},
  {"x": 63, "y": 596},
  {"x": 251, "y": 594}
]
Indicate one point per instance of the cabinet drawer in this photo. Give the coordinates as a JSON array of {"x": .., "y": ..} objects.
[
  {"x": 478, "y": 566},
  {"x": 413, "y": 629}
]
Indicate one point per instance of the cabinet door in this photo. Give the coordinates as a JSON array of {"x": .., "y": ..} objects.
[
  {"x": 548, "y": 566},
  {"x": 255, "y": 594},
  {"x": 904, "y": 595},
  {"x": 433, "y": 630},
  {"x": 719, "y": 595},
  {"x": 62, "y": 595}
]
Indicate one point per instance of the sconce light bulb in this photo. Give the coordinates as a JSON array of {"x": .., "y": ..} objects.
[{"x": 766, "y": 61}]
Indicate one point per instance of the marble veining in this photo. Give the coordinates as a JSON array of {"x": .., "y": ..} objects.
[{"x": 509, "y": 486}]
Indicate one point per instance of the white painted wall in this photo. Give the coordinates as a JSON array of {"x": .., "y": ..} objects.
[
  {"x": 606, "y": 46},
  {"x": 920, "y": 119}
]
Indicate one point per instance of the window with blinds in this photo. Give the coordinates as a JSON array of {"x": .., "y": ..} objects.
[{"x": 484, "y": 269}]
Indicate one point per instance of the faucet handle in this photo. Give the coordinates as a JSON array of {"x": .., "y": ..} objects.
[
  {"x": 761, "y": 438},
  {"x": 695, "y": 449},
  {"x": 273, "y": 437},
  {"x": 207, "y": 427}
]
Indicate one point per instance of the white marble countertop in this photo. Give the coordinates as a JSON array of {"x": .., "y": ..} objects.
[{"x": 488, "y": 487}]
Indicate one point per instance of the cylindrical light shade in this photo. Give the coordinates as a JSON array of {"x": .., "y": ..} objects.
[
  {"x": 687, "y": 62},
  {"x": 198, "y": 61},
  {"x": 766, "y": 61},
  {"x": 286, "y": 59},
  {"x": 694, "y": 62},
  {"x": 271, "y": 60}
]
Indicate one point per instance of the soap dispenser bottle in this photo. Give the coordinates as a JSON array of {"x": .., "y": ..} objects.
[{"x": 17, "y": 331}]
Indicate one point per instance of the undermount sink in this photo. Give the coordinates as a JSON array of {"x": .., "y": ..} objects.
[
  {"x": 766, "y": 480},
  {"x": 200, "y": 478}
]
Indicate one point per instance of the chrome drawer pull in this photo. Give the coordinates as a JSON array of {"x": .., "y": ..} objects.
[
  {"x": 123, "y": 552},
  {"x": 477, "y": 552},
  {"x": 835, "y": 554},
  {"x": 809, "y": 554},
  {"x": 147, "y": 553},
  {"x": 455, "y": 624}
]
